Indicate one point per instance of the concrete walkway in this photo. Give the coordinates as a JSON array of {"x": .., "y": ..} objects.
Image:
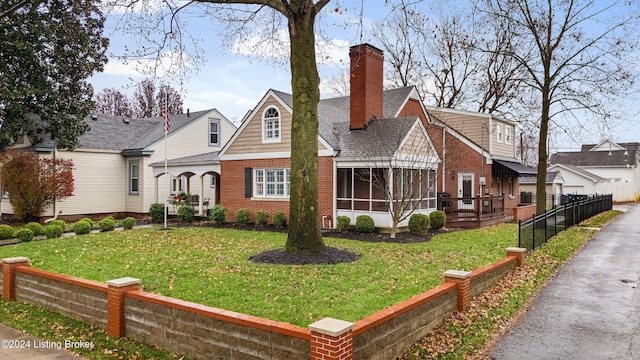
[
  {"x": 591, "y": 309},
  {"x": 14, "y": 345}
]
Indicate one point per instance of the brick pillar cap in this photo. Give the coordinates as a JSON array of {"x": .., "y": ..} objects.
[
  {"x": 516, "y": 250},
  {"x": 122, "y": 282},
  {"x": 331, "y": 327},
  {"x": 457, "y": 274},
  {"x": 17, "y": 259}
]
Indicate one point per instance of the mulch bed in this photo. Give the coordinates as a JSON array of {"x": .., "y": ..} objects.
[{"x": 329, "y": 256}]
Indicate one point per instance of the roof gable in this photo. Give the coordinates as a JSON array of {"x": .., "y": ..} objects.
[
  {"x": 606, "y": 145},
  {"x": 578, "y": 171},
  {"x": 282, "y": 98}
]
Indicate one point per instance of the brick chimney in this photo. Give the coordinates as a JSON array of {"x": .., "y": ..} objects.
[{"x": 366, "y": 84}]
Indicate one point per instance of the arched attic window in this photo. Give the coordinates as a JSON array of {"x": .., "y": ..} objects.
[{"x": 271, "y": 125}]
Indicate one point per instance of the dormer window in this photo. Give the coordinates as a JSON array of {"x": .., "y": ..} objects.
[
  {"x": 499, "y": 134},
  {"x": 271, "y": 125}
]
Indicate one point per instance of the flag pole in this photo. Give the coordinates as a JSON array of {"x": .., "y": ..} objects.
[{"x": 165, "y": 114}]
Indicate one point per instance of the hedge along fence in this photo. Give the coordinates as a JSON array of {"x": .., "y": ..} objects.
[{"x": 200, "y": 331}]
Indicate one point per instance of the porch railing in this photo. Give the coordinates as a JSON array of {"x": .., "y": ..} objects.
[{"x": 472, "y": 208}]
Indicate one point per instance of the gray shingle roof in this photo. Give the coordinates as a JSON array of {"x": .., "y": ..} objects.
[
  {"x": 117, "y": 133},
  {"x": 380, "y": 139},
  {"x": 156, "y": 133},
  {"x": 532, "y": 179},
  {"x": 333, "y": 113},
  {"x": 198, "y": 159},
  {"x": 597, "y": 158}
]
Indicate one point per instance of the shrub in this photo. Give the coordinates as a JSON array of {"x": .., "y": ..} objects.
[
  {"x": 88, "y": 221},
  {"x": 419, "y": 223},
  {"x": 186, "y": 213},
  {"x": 35, "y": 228},
  {"x": 34, "y": 182},
  {"x": 279, "y": 219},
  {"x": 261, "y": 217},
  {"x": 128, "y": 223},
  {"x": 6, "y": 232},
  {"x": 81, "y": 227},
  {"x": 364, "y": 224},
  {"x": 24, "y": 234},
  {"x": 61, "y": 223},
  {"x": 343, "y": 223},
  {"x": 242, "y": 217},
  {"x": 110, "y": 217},
  {"x": 53, "y": 231},
  {"x": 217, "y": 214},
  {"x": 156, "y": 212},
  {"x": 438, "y": 219},
  {"x": 107, "y": 224}
]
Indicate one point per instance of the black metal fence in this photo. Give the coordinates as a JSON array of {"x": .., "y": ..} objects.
[{"x": 539, "y": 229}]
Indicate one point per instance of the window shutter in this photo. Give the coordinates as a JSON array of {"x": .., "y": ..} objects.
[{"x": 248, "y": 182}]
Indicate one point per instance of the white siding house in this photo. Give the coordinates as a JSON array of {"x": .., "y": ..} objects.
[
  {"x": 111, "y": 164},
  {"x": 605, "y": 168}
]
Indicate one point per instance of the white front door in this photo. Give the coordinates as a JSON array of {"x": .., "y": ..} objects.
[{"x": 465, "y": 190}]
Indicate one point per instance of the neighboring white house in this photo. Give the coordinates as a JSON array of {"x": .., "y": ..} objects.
[
  {"x": 605, "y": 168},
  {"x": 112, "y": 169}
]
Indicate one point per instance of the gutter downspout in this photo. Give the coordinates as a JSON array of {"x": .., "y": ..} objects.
[{"x": 444, "y": 158}]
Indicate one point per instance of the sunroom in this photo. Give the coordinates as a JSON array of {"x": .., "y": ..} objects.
[{"x": 385, "y": 193}]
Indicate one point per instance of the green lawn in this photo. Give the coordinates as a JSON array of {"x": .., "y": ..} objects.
[{"x": 210, "y": 266}]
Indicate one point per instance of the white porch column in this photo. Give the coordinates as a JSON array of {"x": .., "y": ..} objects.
[
  {"x": 200, "y": 198},
  {"x": 155, "y": 188}
]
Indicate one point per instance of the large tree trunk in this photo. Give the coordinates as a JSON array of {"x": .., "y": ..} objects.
[
  {"x": 304, "y": 225},
  {"x": 541, "y": 181}
]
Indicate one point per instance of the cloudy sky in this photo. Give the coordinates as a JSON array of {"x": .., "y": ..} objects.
[{"x": 226, "y": 75}]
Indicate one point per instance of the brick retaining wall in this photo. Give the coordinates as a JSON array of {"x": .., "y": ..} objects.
[
  {"x": 390, "y": 332},
  {"x": 200, "y": 331},
  {"x": 76, "y": 298},
  {"x": 483, "y": 278},
  {"x": 205, "y": 332}
]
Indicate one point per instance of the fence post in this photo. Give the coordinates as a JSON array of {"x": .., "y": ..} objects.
[
  {"x": 331, "y": 339},
  {"x": 9, "y": 275},
  {"x": 463, "y": 280},
  {"x": 115, "y": 304},
  {"x": 519, "y": 233},
  {"x": 518, "y": 253}
]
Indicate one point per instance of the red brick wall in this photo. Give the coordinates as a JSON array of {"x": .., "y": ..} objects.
[
  {"x": 232, "y": 187},
  {"x": 459, "y": 158}
]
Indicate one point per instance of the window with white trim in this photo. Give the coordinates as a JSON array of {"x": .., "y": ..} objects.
[
  {"x": 177, "y": 184},
  {"x": 507, "y": 134},
  {"x": 214, "y": 132},
  {"x": 134, "y": 177},
  {"x": 271, "y": 182},
  {"x": 271, "y": 125},
  {"x": 499, "y": 133}
]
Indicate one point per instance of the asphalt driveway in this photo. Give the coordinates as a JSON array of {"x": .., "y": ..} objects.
[{"x": 591, "y": 309}]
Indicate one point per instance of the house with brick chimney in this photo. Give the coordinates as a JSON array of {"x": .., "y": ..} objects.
[{"x": 373, "y": 148}]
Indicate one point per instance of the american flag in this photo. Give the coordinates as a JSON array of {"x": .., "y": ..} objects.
[{"x": 165, "y": 115}]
